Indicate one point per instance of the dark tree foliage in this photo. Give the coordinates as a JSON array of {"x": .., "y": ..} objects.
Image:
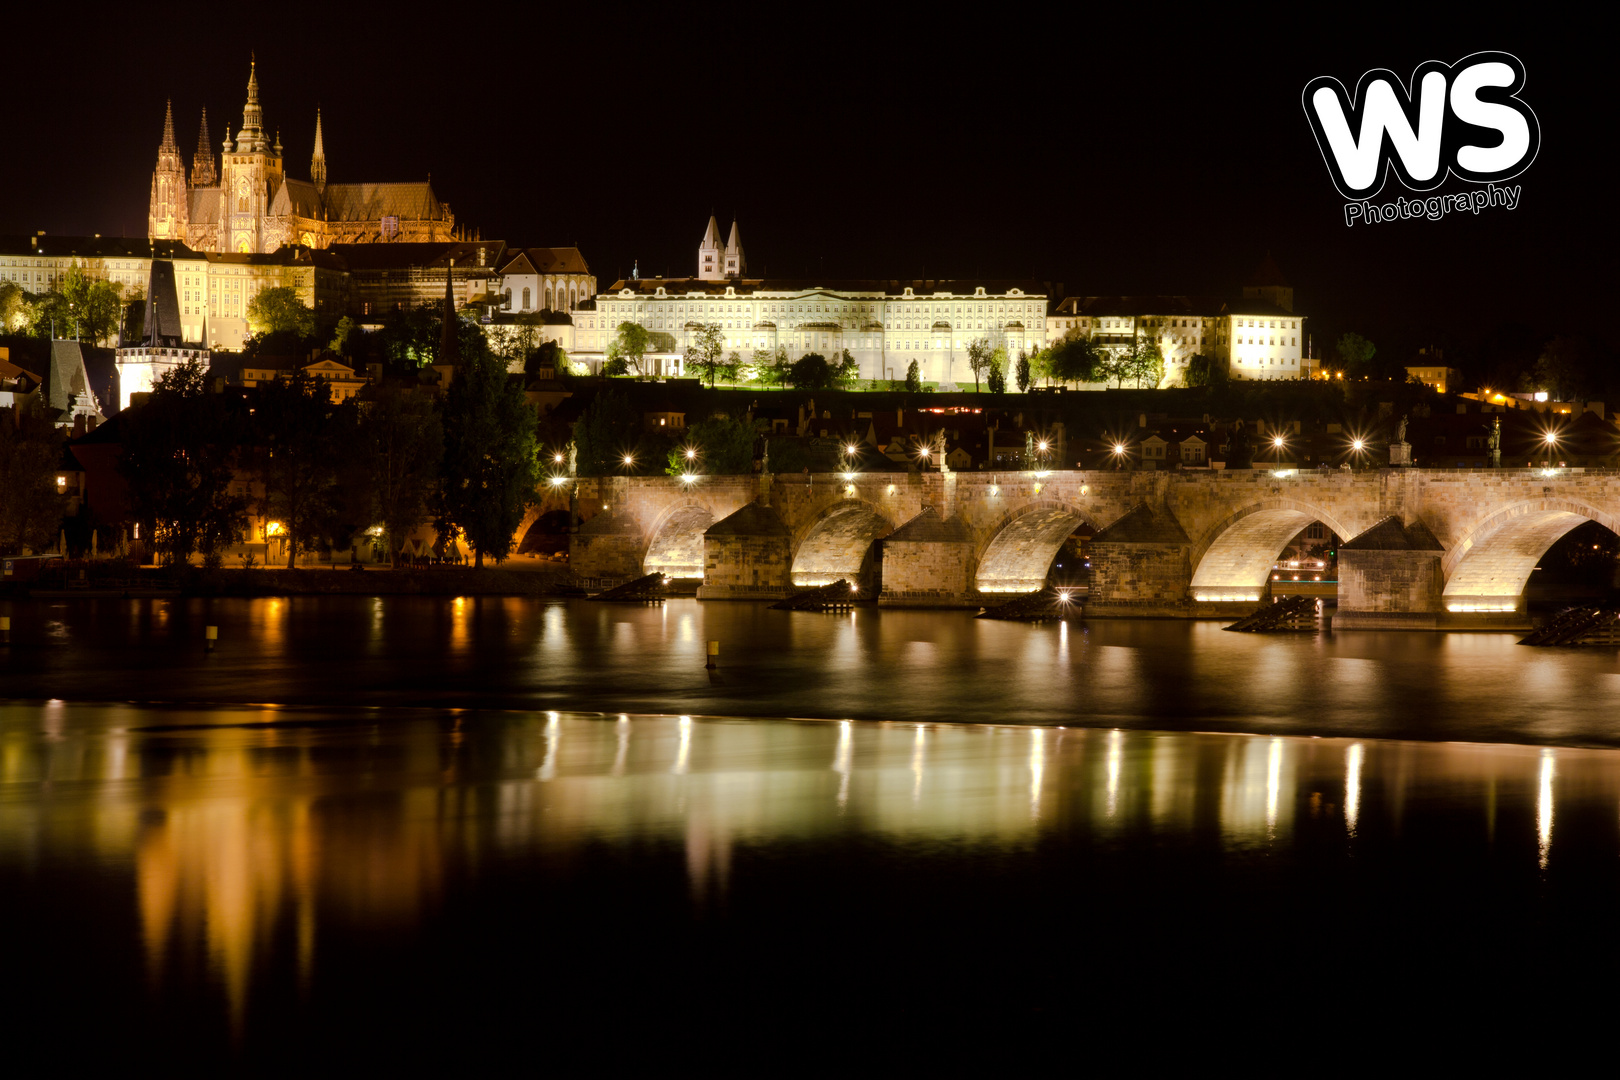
[
  {"x": 1205, "y": 370},
  {"x": 548, "y": 356},
  {"x": 491, "y": 454},
  {"x": 30, "y": 511},
  {"x": 811, "y": 372},
  {"x": 402, "y": 441},
  {"x": 913, "y": 378},
  {"x": 1073, "y": 359},
  {"x": 996, "y": 379},
  {"x": 1022, "y": 373},
  {"x": 298, "y": 452},
  {"x": 607, "y": 431},
  {"x": 724, "y": 445},
  {"x": 180, "y": 451}
]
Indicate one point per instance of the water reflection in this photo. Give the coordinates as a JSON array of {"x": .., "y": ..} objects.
[{"x": 247, "y": 835}]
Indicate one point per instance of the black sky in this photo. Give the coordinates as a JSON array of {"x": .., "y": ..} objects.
[{"x": 1154, "y": 154}]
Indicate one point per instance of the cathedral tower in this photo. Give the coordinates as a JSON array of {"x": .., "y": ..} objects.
[
  {"x": 736, "y": 263},
  {"x": 317, "y": 165},
  {"x": 170, "y": 208},
  {"x": 249, "y": 175},
  {"x": 202, "y": 166},
  {"x": 711, "y": 254}
]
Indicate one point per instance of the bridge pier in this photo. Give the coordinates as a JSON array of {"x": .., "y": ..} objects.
[
  {"x": 747, "y": 556},
  {"x": 1390, "y": 579},
  {"x": 1141, "y": 565},
  {"x": 927, "y": 562}
]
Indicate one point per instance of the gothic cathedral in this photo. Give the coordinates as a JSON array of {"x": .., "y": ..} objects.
[{"x": 252, "y": 207}]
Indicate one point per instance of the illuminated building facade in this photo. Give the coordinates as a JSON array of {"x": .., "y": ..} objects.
[
  {"x": 251, "y": 206},
  {"x": 883, "y": 324}
]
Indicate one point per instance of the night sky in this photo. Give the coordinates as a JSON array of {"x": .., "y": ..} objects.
[{"x": 1157, "y": 155}]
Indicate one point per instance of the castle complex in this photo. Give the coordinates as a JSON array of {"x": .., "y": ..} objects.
[{"x": 250, "y": 206}]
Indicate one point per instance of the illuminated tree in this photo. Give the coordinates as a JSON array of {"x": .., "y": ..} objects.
[
  {"x": 279, "y": 310},
  {"x": 979, "y": 359},
  {"x": 627, "y": 350},
  {"x": 913, "y": 378},
  {"x": 703, "y": 355},
  {"x": 1022, "y": 373}
]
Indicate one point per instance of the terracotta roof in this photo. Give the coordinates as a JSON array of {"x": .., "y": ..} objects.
[
  {"x": 410, "y": 201},
  {"x": 545, "y": 260}
]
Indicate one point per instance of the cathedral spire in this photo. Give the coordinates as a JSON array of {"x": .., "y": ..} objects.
[
  {"x": 317, "y": 165},
  {"x": 202, "y": 166},
  {"x": 252, "y": 115},
  {"x": 168, "y": 146},
  {"x": 449, "y": 344}
]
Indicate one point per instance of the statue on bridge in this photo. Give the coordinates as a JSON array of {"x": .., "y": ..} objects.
[{"x": 1495, "y": 442}]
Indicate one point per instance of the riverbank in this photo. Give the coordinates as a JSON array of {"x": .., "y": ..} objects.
[{"x": 533, "y": 579}]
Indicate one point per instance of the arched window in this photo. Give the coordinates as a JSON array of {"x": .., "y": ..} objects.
[
  {"x": 572, "y": 298},
  {"x": 506, "y": 299},
  {"x": 548, "y": 299},
  {"x": 525, "y": 298}
]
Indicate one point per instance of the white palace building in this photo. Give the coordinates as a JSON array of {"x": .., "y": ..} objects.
[{"x": 886, "y": 324}]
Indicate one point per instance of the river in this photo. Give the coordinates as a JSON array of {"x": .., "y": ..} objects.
[{"x": 362, "y": 826}]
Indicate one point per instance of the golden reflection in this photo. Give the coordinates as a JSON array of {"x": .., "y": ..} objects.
[
  {"x": 548, "y": 767},
  {"x": 918, "y": 745},
  {"x": 683, "y": 754},
  {"x": 621, "y": 750},
  {"x": 846, "y": 745},
  {"x": 1352, "y": 786},
  {"x": 1544, "y": 807},
  {"x": 1115, "y": 737},
  {"x": 1037, "y": 767},
  {"x": 1273, "y": 784},
  {"x": 249, "y": 847},
  {"x": 460, "y": 623}
]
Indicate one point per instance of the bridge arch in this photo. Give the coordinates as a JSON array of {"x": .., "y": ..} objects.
[
  {"x": 675, "y": 544},
  {"x": 1233, "y": 559},
  {"x": 1022, "y": 545},
  {"x": 838, "y": 544},
  {"x": 1489, "y": 568}
]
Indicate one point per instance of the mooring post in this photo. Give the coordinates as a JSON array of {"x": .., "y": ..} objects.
[
  {"x": 5, "y": 629},
  {"x": 210, "y": 637},
  {"x": 714, "y": 655}
]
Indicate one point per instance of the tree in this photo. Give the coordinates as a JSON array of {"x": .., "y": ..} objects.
[
  {"x": 606, "y": 431},
  {"x": 724, "y": 447},
  {"x": 979, "y": 354},
  {"x": 550, "y": 356},
  {"x": 403, "y": 441},
  {"x": 1073, "y": 359},
  {"x": 733, "y": 367},
  {"x": 1023, "y": 373},
  {"x": 627, "y": 350},
  {"x": 996, "y": 377},
  {"x": 297, "y": 457},
  {"x": 30, "y": 511},
  {"x": 765, "y": 369},
  {"x": 847, "y": 373},
  {"x": 703, "y": 354},
  {"x": 280, "y": 309},
  {"x": 1565, "y": 368},
  {"x": 15, "y": 316},
  {"x": 1205, "y": 371},
  {"x": 1144, "y": 363},
  {"x": 1355, "y": 354},
  {"x": 913, "y": 378},
  {"x": 92, "y": 305},
  {"x": 811, "y": 372},
  {"x": 179, "y": 458},
  {"x": 491, "y": 455}
]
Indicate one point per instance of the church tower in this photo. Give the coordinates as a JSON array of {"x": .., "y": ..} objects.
[
  {"x": 202, "y": 166},
  {"x": 170, "y": 208},
  {"x": 317, "y": 165},
  {"x": 711, "y": 254},
  {"x": 250, "y": 175},
  {"x": 736, "y": 262}
]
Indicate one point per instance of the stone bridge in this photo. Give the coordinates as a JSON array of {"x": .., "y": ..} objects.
[{"x": 1422, "y": 548}]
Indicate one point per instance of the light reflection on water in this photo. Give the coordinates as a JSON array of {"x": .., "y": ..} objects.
[{"x": 241, "y": 841}]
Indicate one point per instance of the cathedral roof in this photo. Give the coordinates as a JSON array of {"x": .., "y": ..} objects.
[
  {"x": 562, "y": 260},
  {"x": 205, "y": 206},
  {"x": 711, "y": 237},
  {"x": 409, "y": 201},
  {"x": 299, "y": 198}
]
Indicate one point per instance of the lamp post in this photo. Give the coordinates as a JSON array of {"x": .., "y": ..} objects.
[
  {"x": 1278, "y": 444},
  {"x": 1119, "y": 455},
  {"x": 1550, "y": 443}
]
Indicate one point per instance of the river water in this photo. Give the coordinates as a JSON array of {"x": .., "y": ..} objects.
[{"x": 436, "y": 825}]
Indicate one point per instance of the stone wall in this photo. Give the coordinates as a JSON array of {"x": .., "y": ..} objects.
[{"x": 1375, "y": 585}]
